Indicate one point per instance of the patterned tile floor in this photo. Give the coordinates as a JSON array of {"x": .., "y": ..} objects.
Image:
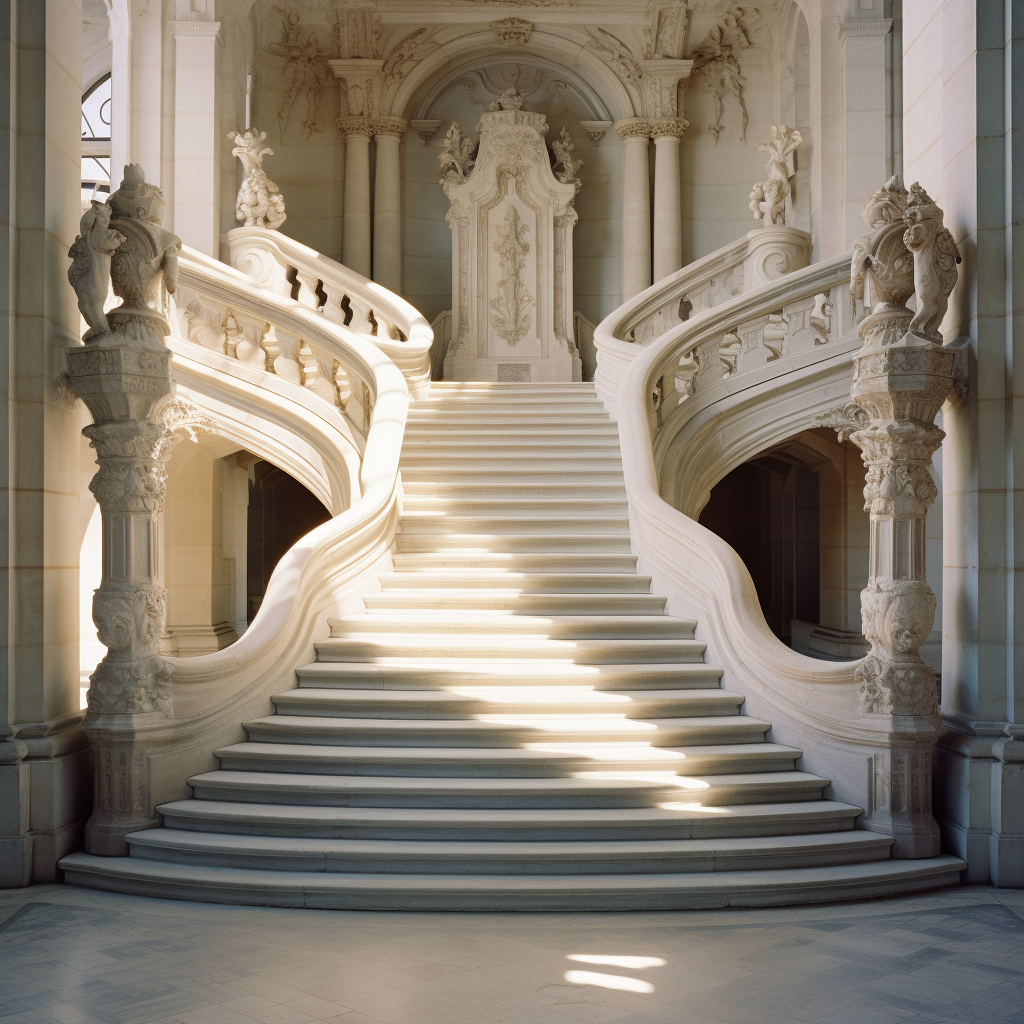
[{"x": 79, "y": 957}]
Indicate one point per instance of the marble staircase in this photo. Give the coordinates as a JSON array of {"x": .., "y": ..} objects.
[{"x": 514, "y": 722}]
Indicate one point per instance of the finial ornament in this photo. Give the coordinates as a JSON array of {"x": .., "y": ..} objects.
[
  {"x": 457, "y": 158},
  {"x": 259, "y": 203},
  {"x": 768, "y": 198}
]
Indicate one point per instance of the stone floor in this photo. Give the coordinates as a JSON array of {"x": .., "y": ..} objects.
[{"x": 79, "y": 957}]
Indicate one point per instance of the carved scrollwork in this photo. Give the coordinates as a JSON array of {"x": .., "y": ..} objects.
[{"x": 844, "y": 420}]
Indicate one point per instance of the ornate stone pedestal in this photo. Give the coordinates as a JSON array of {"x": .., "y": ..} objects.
[
  {"x": 122, "y": 373},
  {"x": 511, "y": 219}
]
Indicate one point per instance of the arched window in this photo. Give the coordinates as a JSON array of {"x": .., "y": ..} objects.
[{"x": 96, "y": 139}]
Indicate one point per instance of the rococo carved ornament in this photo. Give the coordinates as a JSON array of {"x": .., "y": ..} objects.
[
  {"x": 259, "y": 203},
  {"x": 566, "y": 166},
  {"x": 715, "y": 60},
  {"x": 457, "y": 159},
  {"x": 306, "y": 70},
  {"x": 768, "y": 198},
  {"x": 512, "y": 31}
]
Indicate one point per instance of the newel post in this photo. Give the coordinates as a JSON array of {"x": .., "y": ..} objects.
[
  {"x": 902, "y": 375},
  {"x": 122, "y": 373}
]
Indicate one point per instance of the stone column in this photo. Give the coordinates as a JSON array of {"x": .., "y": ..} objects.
[
  {"x": 902, "y": 375},
  {"x": 122, "y": 373},
  {"x": 636, "y": 207},
  {"x": 197, "y": 134},
  {"x": 356, "y": 216},
  {"x": 668, "y": 251},
  {"x": 387, "y": 203}
]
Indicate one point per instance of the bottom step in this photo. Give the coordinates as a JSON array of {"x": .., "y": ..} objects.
[{"x": 697, "y": 891}]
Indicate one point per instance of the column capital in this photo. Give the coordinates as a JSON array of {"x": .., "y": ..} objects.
[
  {"x": 384, "y": 125},
  {"x": 633, "y": 128},
  {"x": 356, "y": 126},
  {"x": 668, "y": 128}
]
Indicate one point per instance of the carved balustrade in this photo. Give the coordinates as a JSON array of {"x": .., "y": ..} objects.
[{"x": 343, "y": 297}]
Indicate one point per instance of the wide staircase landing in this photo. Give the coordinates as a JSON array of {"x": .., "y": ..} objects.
[{"x": 514, "y": 723}]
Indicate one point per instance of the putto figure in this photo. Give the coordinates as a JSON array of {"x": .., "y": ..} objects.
[
  {"x": 260, "y": 203},
  {"x": 935, "y": 260},
  {"x": 768, "y": 197},
  {"x": 89, "y": 272}
]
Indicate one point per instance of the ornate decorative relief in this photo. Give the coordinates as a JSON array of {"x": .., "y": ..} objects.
[
  {"x": 666, "y": 31},
  {"x": 882, "y": 271},
  {"x": 512, "y": 31},
  {"x": 511, "y": 307},
  {"x": 514, "y": 373},
  {"x": 715, "y": 61},
  {"x": 595, "y": 130},
  {"x": 457, "y": 159},
  {"x": 89, "y": 272},
  {"x": 406, "y": 55},
  {"x": 306, "y": 69},
  {"x": 566, "y": 167},
  {"x": 426, "y": 129},
  {"x": 935, "y": 260},
  {"x": 617, "y": 55},
  {"x": 844, "y": 419},
  {"x": 259, "y": 203},
  {"x": 729, "y": 352},
  {"x": 769, "y": 198}
]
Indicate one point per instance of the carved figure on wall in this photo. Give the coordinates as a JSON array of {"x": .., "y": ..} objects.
[
  {"x": 407, "y": 55},
  {"x": 259, "y": 203},
  {"x": 715, "y": 59},
  {"x": 149, "y": 253},
  {"x": 566, "y": 166},
  {"x": 307, "y": 69},
  {"x": 768, "y": 197},
  {"x": 457, "y": 159},
  {"x": 89, "y": 272},
  {"x": 935, "y": 260}
]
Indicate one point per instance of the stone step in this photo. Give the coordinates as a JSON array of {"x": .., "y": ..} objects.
[
  {"x": 432, "y": 522},
  {"x": 562, "y": 627},
  {"x": 539, "y": 760},
  {"x": 514, "y": 601},
  {"x": 513, "y": 730},
  {"x": 427, "y": 674},
  {"x": 443, "y": 571},
  {"x": 496, "y": 647},
  {"x": 554, "y": 825},
  {"x": 577, "y": 793},
  {"x": 468, "y": 544},
  {"x": 566, "y": 507},
  {"x": 457, "y": 431},
  {"x": 511, "y": 489},
  {"x": 327, "y": 890},
  {"x": 409, "y": 857},
  {"x": 505, "y": 700},
  {"x": 525, "y": 477}
]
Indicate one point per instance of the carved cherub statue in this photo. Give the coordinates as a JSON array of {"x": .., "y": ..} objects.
[
  {"x": 260, "y": 202},
  {"x": 149, "y": 253},
  {"x": 882, "y": 271},
  {"x": 89, "y": 272},
  {"x": 457, "y": 159},
  {"x": 935, "y": 260},
  {"x": 768, "y": 197}
]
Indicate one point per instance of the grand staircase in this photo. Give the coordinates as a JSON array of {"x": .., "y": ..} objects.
[{"x": 513, "y": 723}]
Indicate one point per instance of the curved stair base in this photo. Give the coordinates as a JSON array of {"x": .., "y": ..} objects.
[{"x": 704, "y": 890}]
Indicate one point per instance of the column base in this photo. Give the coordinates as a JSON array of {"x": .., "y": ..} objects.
[{"x": 106, "y": 839}]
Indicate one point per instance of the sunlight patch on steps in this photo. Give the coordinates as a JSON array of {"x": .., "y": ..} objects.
[
  {"x": 613, "y": 981},
  {"x": 538, "y": 694},
  {"x": 570, "y": 723},
  {"x": 629, "y": 963}
]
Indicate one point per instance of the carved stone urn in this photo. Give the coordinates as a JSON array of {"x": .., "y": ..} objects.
[
  {"x": 122, "y": 373},
  {"x": 512, "y": 220}
]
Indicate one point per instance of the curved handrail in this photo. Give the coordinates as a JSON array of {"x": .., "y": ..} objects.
[
  {"x": 287, "y": 267},
  {"x": 212, "y": 693},
  {"x": 759, "y": 257},
  {"x": 810, "y": 702}
]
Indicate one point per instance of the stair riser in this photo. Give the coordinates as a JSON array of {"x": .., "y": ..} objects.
[
  {"x": 614, "y": 629},
  {"x": 415, "y": 543},
  {"x": 529, "y": 584},
  {"x": 390, "y": 763},
  {"x": 525, "y": 604},
  {"x": 466, "y": 710},
  {"x": 552, "y": 507},
  {"x": 596, "y": 652},
  {"x": 767, "y": 793}
]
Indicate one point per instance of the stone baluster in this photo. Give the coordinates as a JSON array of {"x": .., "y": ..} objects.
[
  {"x": 668, "y": 248},
  {"x": 122, "y": 373},
  {"x": 636, "y": 207},
  {"x": 387, "y": 200},
  {"x": 356, "y": 215},
  {"x": 902, "y": 375}
]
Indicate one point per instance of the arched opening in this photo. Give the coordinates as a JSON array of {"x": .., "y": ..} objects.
[
  {"x": 795, "y": 515},
  {"x": 96, "y": 140}
]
